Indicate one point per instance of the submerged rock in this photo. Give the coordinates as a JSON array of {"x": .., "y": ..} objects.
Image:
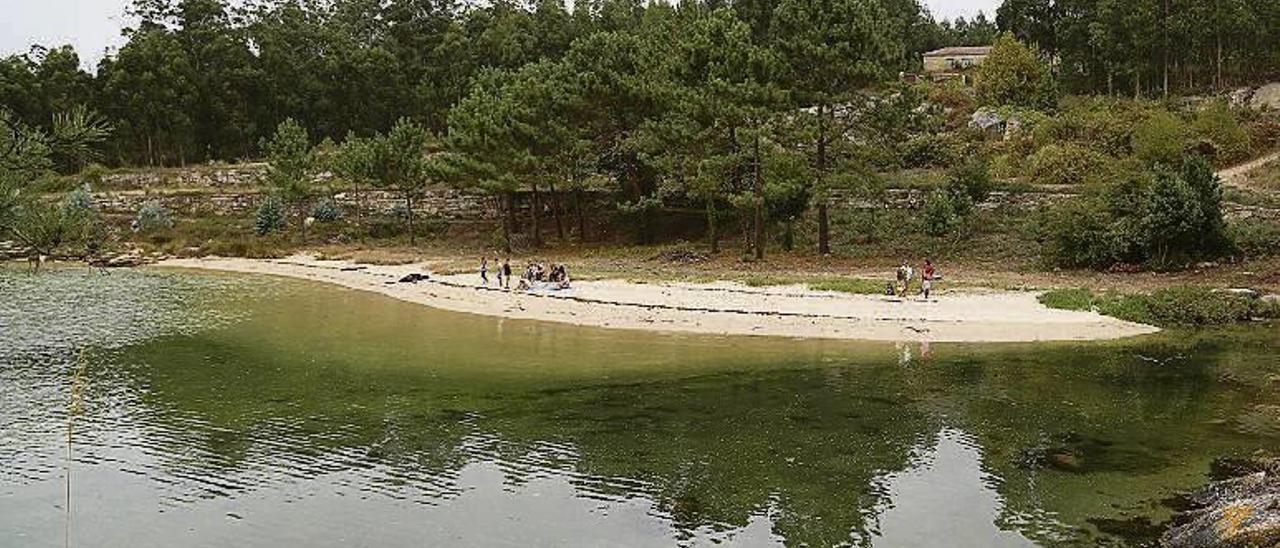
[{"x": 1242, "y": 511}]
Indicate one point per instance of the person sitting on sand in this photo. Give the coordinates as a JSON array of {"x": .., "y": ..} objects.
[{"x": 562, "y": 277}]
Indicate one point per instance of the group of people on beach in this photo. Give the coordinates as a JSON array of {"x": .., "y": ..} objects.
[
  {"x": 906, "y": 274},
  {"x": 536, "y": 275}
]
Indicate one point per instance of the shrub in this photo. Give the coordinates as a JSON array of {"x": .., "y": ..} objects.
[
  {"x": 1170, "y": 220},
  {"x": 1170, "y": 307},
  {"x": 928, "y": 150},
  {"x": 1196, "y": 306},
  {"x": 1065, "y": 164},
  {"x": 944, "y": 212},
  {"x": 1217, "y": 127},
  {"x": 1254, "y": 237},
  {"x": 93, "y": 174},
  {"x": 271, "y": 216},
  {"x": 78, "y": 204},
  {"x": 326, "y": 211},
  {"x": 1081, "y": 232},
  {"x": 1161, "y": 139},
  {"x": 971, "y": 179},
  {"x": 152, "y": 216},
  {"x": 1264, "y": 133},
  {"x": 1006, "y": 166}
]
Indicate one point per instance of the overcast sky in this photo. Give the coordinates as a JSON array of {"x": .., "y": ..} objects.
[{"x": 94, "y": 25}]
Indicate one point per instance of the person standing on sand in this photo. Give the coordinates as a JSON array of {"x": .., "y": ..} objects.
[
  {"x": 926, "y": 285},
  {"x": 484, "y": 271},
  {"x": 506, "y": 273},
  {"x": 902, "y": 279},
  {"x": 911, "y": 275}
]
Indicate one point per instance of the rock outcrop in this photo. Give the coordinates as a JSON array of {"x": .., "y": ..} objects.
[{"x": 1240, "y": 511}]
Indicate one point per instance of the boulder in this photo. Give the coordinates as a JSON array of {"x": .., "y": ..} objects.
[
  {"x": 1239, "y": 98},
  {"x": 1240, "y": 292},
  {"x": 987, "y": 120},
  {"x": 1266, "y": 97}
]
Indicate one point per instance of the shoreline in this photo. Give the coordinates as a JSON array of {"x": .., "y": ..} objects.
[{"x": 719, "y": 308}]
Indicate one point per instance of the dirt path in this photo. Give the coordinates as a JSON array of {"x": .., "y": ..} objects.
[{"x": 1234, "y": 174}]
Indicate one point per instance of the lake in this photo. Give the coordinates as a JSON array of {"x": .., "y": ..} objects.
[{"x": 225, "y": 410}]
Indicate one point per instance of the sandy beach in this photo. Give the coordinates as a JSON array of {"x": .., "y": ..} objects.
[{"x": 717, "y": 308}]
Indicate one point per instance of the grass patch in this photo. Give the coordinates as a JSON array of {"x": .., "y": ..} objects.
[
  {"x": 1171, "y": 307},
  {"x": 1068, "y": 299},
  {"x": 766, "y": 281},
  {"x": 855, "y": 286}
]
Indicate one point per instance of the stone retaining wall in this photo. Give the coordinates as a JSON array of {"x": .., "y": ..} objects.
[
  {"x": 230, "y": 191},
  {"x": 195, "y": 177},
  {"x": 445, "y": 203}
]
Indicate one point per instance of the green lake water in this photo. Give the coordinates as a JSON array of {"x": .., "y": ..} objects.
[{"x": 249, "y": 411}]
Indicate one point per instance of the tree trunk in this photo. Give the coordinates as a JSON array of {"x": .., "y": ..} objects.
[
  {"x": 1218, "y": 71},
  {"x": 408, "y": 204},
  {"x": 759, "y": 189},
  {"x": 824, "y": 224},
  {"x": 713, "y": 236},
  {"x": 507, "y": 203},
  {"x": 582, "y": 219},
  {"x": 535, "y": 215},
  {"x": 1164, "y": 24},
  {"x": 555, "y": 209},
  {"x": 512, "y": 220},
  {"x": 789, "y": 236}
]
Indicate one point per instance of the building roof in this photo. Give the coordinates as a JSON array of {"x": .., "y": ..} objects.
[{"x": 959, "y": 52}]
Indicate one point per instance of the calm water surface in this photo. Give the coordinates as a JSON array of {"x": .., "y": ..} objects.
[{"x": 248, "y": 411}]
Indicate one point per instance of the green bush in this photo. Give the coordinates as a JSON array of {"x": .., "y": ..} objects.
[
  {"x": 1254, "y": 237},
  {"x": 971, "y": 179},
  {"x": 928, "y": 150},
  {"x": 1082, "y": 232},
  {"x": 1216, "y": 126},
  {"x": 1160, "y": 139},
  {"x": 326, "y": 211},
  {"x": 152, "y": 216},
  {"x": 944, "y": 212},
  {"x": 271, "y": 216},
  {"x": 93, "y": 174},
  {"x": 1194, "y": 306},
  {"x": 1169, "y": 220},
  {"x": 1065, "y": 164},
  {"x": 1170, "y": 307}
]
